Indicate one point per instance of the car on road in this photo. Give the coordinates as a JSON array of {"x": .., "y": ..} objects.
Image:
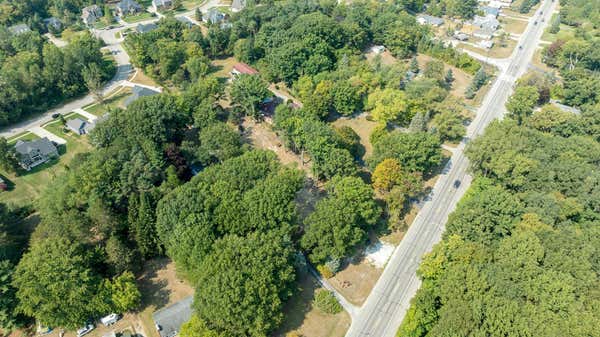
[
  {"x": 87, "y": 328},
  {"x": 521, "y": 47},
  {"x": 109, "y": 319},
  {"x": 55, "y": 115},
  {"x": 457, "y": 183},
  {"x": 535, "y": 23}
]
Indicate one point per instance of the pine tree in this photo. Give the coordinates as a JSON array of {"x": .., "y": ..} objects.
[
  {"x": 419, "y": 122},
  {"x": 449, "y": 78},
  {"x": 414, "y": 65},
  {"x": 142, "y": 223}
]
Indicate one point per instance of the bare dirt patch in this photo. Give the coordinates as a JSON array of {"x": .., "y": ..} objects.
[
  {"x": 386, "y": 57},
  {"x": 301, "y": 317},
  {"x": 160, "y": 287},
  {"x": 356, "y": 280},
  {"x": 261, "y": 136}
]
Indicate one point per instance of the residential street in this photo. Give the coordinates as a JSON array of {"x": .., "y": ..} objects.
[
  {"x": 384, "y": 310},
  {"x": 124, "y": 69}
]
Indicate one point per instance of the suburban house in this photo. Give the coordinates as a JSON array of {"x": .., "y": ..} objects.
[
  {"x": 238, "y": 5},
  {"x": 159, "y": 5},
  {"x": 139, "y": 92},
  {"x": 35, "y": 152},
  {"x": 242, "y": 68},
  {"x": 487, "y": 22},
  {"x": 214, "y": 16},
  {"x": 141, "y": 28},
  {"x": 79, "y": 126},
  {"x": 484, "y": 33},
  {"x": 19, "y": 29},
  {"x": 127, "y": 7},
  {"x": 169, "y": 320},
  {"x": 425, "y": 19},
  {"x": 91, "y": 14},
  {"x": 53, "y": 23}
]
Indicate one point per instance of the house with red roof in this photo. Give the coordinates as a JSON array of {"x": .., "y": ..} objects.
[{"x": 242, "y": 68}]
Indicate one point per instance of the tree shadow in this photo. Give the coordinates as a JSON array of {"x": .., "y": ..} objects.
[{"x": 155, "y": 292}]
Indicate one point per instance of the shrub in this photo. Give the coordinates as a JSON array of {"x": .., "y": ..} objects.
[
  {"x": 326, "y": 302},
  {"x": 325, "y": 271}
]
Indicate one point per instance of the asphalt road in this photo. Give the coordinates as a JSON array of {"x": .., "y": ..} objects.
[
  {"x": 124, "y": 69},
  {"x": 384, "y": 310}
]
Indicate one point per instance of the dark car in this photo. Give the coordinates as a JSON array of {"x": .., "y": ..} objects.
[
  {"x": 55, "y": 115},
  {"x": 535, "y": 23},
  {"x": 456, "y": 183}
]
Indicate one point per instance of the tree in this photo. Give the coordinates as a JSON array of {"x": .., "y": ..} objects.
[
  {"x": 108, "y": 17},
  {"x": 319, "y": 103},
  {"x": 449, "y": 78},
  {"x": 9, "y": 318},
  {"x": 92, "y": 77},
  {"x": 119, "y": 256},
  {"x": 247, "y": 92},
  {"x": 336, "y": 162},
  {"x": 196, "y": 327},
  {"x": 8, "y": 156},
  {"x": 142, "y": 220},
  {"x": 414, "y": 65},
  {"x": 326, "y": 302},
  {"x": 449, "y": 125},
  {"x": 520, "y": 105},
  {"x": 435, "y": 70},
  {"x": 125, "y": 295},
  {"x": 218, "y": 142},
  {"x": 346, "y": 98},
  {"x": 419, "y": 122},
  {"x": 387, "y": 105},
  {"x": 339, "y": 221},
  {"x": 389, "y": 173},
  {"x": 66, "y": 303},
  {"x": 245, "y": 281},
  {"x": 416, "y": 152}
]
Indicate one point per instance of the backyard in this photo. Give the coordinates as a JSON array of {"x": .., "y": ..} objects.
[{"x": 113, "y": 100}]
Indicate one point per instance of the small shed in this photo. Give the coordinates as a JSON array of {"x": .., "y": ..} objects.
[{"x": 243, "y": 68}]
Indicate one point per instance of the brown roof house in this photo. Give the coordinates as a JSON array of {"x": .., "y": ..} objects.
[
  {"x": 242, "y": 68},
  {"x": 35, "y": 152}
]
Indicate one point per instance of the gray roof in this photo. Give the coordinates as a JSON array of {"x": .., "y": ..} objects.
[
  {"x": 76, "y": 124},
  {"x": 432, "y": 20},
  {"x": 128, "y": 5},
  {"x": 484, "y": 32},
  {"x": 162, "y": 2},
  {"x": 171, "y": 318},
  {"x": 138, "y": 92},
  {"x": 145, "y": 28},
  {"x": 19, "y": 29},
  {"x": 43, "y": 145},
  {"x": 213, "y": 16},
  {"x": 238, "y": 5},
  {"x": 486, "y": 22},
  {"x": 186, "y": 21}
]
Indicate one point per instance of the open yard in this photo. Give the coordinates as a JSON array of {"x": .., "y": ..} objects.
[
  {"x": 461, "y": 78},
  {"x": 113, "y": 100},
  {"x": 222, "y": 67},
  {"x": 356, "y": 280},
  {"x": 23, "y": 136},
  {"x": 307, "y": 321},
  {"x": 29, "y": 185},
  {"x": 511, "y": 25},
  {"x": 139, "y": 17},
  {"x": 363, "y": 127},
  {"x": 160, "y": 287},
  {"x": 140, "y": 78}
]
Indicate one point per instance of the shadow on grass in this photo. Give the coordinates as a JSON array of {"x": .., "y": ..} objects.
[{"x": 155, "y": 293}]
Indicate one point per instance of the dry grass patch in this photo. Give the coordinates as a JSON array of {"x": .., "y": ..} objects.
[
  {"x": 461, "y": 78},
  {"x": 306, "y": 320},
  {"x": 223, "y": 67},
  {"x": 513, "y": 26},
  {"x": 140, "y": 78},
  {"x": 356, "y": 280},
  {"x": 363, "y": 127}
]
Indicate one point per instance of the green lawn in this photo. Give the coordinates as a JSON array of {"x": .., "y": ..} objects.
[
  {"x": 115, "y": 100},
  {"x": 28, "y": 186},
  {"x": 139, "y": 17},
  {"x": 23, "y": 136}
]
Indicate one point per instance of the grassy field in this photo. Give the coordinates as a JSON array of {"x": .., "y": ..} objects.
[
  {"x": 23, "y": 136},
  {"x": 114, "y": 100},
  {"x": 139, "y": 17},
  {"x": 513, "y": 26},
  {"x": 29, "y": 185}
]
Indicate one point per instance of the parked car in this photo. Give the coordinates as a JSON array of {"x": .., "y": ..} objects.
[
  {"x": 87, "y": 328},
  {"x": 109, "y": 319},
  {"x": 55, "y": 115}
]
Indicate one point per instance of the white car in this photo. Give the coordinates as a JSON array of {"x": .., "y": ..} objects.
[
  {"x": 110, "y": 319},
  {"x": 85, "y": 330}
]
